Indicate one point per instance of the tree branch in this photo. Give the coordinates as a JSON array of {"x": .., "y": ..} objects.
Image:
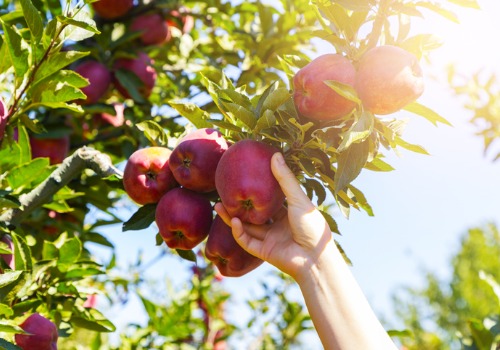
[{"x": 83, "y": 158}]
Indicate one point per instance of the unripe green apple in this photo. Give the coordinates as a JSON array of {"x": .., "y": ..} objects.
[
  {"x": 147, "y": 176},
  {"x": 183, "y": 218},
  {"x": 388, "y": 79},
  {"x": 142, "y": 67},
  {"x": 223, "y": 250},
  {"x": 99, "y": 78},
  {"x": 313, "y": 98},
  {"x": 194, "y": 160},
  {"x": 43, "y": 334},
  {"x": 245, "y": 182},
  {"x": 112, "y": 9},
  {"x": 154, "y": 28}
]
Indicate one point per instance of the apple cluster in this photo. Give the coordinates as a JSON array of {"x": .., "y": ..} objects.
[
  {"x": 385, "y": 79},
  {"x": 204, "y": 168}
]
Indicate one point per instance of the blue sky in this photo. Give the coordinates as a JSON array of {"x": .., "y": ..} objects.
[{"x": 422, "y": 208}]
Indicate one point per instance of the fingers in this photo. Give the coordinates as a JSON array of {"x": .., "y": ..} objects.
[
  {"x": 219, "y": 208},
  {"x": 256, "y": 231},
  {"x": 288, "y": 182},
  {"x": 248, "y": 242}
]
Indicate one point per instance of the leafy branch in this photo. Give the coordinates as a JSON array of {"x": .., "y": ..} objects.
[{"x": 83, "y": 158}]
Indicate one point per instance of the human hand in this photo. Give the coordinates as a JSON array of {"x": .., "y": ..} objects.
[{"x": 297, "y": 235}]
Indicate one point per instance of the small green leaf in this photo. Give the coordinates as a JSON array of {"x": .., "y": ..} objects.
[
  {"x": 153, "y": 132},
  {"x": 331, "y": 222},
  {"x": 192, "y": 112},
  {"x": 9, "y": 277},
  {"x": 240, "y": 113},
  {"x": 33, "y": 19},
  {"x": 440, "y": 10},
  {"x": 4, "y": 344},
  {"x": 57, "y": 61},
  {"x": 187, "y": 254},
  {"x": 8, "y": 326},
  {"x": 22, "y": 253},
  {"x": 18, "y": 50},
  {"x": 130, "y": 82},
  {"x": 349, "y": 164},
  {"x": 359, "y": 131},
  {"x": 466, "y": 3},
  {"x": 344, "y": 90},
  {"x": 275, "y": 99},
  {"x": 410, "y": 147},
  {"x": 267, "y": 120},
  {"x": 70, "y": 251},
  {"x": 93, "y": 320},
  {"x": 141, "y": 219},
  {"x": 78, "y": 28},
  {"x": 426, "y": 112}
]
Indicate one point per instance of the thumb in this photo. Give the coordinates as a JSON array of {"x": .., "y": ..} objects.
[{"x": 287, "y": 181}]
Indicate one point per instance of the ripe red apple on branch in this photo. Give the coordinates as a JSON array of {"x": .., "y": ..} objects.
[
  {"x": 142, "y": 68},
  {"x": 184, "y": 218},
  {"x": 388, "y": 79},
  {"x": 153, "y": 27},
  {"x": 3, "y": 118},
  {"x": 195, "y": 158},
  {"x": 313, "y": 98},
  {"x": 56, "y": 149},
  {"x": 147, "y": 175},
  {"x": 223, "y": 250},
  {"x": 99, "y": 78},
  {"x": 112, "y": 9},
  {"x": 245, "y": 183},
  {"x": 43, "y": 334}
]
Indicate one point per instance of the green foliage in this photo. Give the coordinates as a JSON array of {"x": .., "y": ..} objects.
[{"x": 459, "y": 303}]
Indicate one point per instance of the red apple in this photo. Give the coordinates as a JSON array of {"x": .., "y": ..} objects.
[
  {"x": 245, "y": 183},
  {"x": 43, "y": 334},
  {"x": 154, "y": 28},
  {"x": 99, "y": 78},
  {"x": 112, "y": 9},
  {"x": 56, "y": 149},
  {"x": 194, "y": 160},
  {"x": 388, "y": 79},
  {"x": 184, "y": 218},
  {"x": 147, "y": 176},
  {"x": 316, "y": 100},
  {"x": 3, "y": 119},
  {"x": 91, "y": 301},
  {"x": 223, "y": 250},
  {"x": 142, "y": 68},
  {"x": 8, "y": 258},
  {"x": 181, "y": 19}
]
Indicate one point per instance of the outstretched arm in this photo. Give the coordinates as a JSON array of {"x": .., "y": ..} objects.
[{"x": 299, "y": 243}]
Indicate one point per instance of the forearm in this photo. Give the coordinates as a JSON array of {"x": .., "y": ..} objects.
[{"x": 340, "y": 312}]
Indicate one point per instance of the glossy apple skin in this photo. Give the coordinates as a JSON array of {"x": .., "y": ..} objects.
[
  {"x": 147, "y": 176},
  {"x": 99, "y": 78},
  {"x": 154, "y": 28},
  {"x": 8, "y": 258},
  {"x": 112, "y": 9},
  {"x": 223, "y": 250},
  {"x": 43, "y": 334},
  {"x": 245, "y": 183},
  {"x": 313, "y": 98},
  {"x": 388, "y": 79},
  {"x": 194, "y": 160},
  {"x": 56, "y": 149},
  {"x": 184, "y": 218},
  {"x": 140, "y": 66}
]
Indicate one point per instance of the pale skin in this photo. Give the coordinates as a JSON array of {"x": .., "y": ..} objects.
[{"x": 300, "y": 243}]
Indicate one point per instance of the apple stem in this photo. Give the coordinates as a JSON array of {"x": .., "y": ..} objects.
[{"x": 83, "y": 158}]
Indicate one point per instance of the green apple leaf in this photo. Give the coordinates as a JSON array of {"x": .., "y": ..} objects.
[
  {"x": 331, "y": 221},
  {"x": 93, "y": 320},
  {"x": 153, "y": 132},
  {"x": 33, "y": 19},
  {"x": 141, "y": 219},
  {"x": 18, "y": 50},
  {"x": 188, "y": 255},
  {"x": 22, "y": 253},
  {"x": 57, "y": 61},
  {"x": 466, "y": 3},
  {"x": 344, "y": 90},
  {"x": 7, "y": 345},
  {"x": 426, "y": 112},
  {"x": 275, "y": 99},
  {"x": 410, "y": 147},
  {"x": 359, "y": 131},
  {"x": 9, "y": 277},
  {"x": 24, "y": 174},
  {"x": 131, "y": 82},
  {"x": 192, "y": 112},
  {"x": 349, "y": 164}
]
